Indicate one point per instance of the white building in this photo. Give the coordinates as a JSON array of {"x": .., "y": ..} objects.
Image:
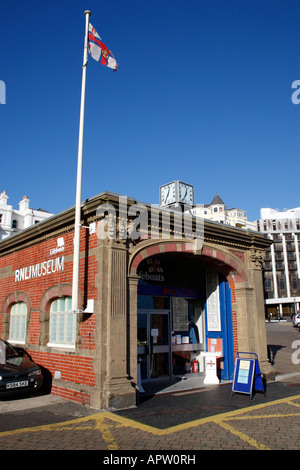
[
  {"x": 218, "y": 212},
  {"x": 282, "y": 262},
  {"x": 13, "y": 220}
]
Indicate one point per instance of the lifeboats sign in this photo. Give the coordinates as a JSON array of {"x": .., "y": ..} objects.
[{"x": 40, "y": 269}]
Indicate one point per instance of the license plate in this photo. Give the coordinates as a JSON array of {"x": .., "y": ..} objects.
[{"x": 23, "y": 383}]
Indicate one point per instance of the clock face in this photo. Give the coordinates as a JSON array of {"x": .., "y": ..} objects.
[
  {"x": 167, "y": 194},
  {"x": 186, "y": 193}
]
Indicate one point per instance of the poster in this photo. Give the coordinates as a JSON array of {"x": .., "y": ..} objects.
[
  {"x": 213, "y": 302},
  {"x": 243, "y": 374}
]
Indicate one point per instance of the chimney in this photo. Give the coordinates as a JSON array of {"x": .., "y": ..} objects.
[
  {"x": 3, "y": 198},
  {"x": 24, "y": 204}
]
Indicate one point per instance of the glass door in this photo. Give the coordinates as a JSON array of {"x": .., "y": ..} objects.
[{"x": 153, "y": 344}]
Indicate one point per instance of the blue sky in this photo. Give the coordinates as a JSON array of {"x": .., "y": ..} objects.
[{"x": 202, "y": 94}]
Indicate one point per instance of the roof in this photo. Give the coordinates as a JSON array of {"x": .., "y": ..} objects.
[
  {"x": 217, "y": 200},
  {"x": 63, "y": 222}
]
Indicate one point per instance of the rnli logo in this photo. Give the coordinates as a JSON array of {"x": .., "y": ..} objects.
[{"x": 59, "y": 248}]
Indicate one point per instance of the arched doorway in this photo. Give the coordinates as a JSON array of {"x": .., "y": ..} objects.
[{"x": 183, "y": 308}]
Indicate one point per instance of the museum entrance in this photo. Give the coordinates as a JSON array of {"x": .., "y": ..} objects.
[
  {"x": 154, "y": 344},
  {"x": 169, "y": 340},
  {"x": 184, "y": 311}
]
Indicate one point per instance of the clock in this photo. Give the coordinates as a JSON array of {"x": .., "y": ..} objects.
[
  {"x": 176, "y": 194},
  {"x": 168, "y": 194},
  {"x": 186, "y": 193}
]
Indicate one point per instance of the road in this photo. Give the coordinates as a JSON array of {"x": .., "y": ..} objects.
[
  {"x": 208, "y": 418},
  {"x": 284, "y": 343}
]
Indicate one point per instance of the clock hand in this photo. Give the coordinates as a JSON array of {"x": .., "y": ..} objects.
[
  {"x": 164, "y": 198},
  {"x": 167, "y": 195}
]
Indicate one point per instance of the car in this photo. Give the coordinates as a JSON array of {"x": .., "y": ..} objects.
[
  {"x": 18, "y": 372},
  {"x": 296, "y": 319}
]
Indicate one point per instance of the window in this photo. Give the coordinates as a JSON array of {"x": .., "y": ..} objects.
[
  {"x": 267, "y": 265},
  {"x": 290, "y": 246},
  {"x": 268, "y": 282},
  {"x": 281, "y": 283},
  {"x": 62, "y": 329},
  {"x": 17, "y": 325}
]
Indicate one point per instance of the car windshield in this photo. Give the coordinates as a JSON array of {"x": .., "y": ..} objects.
[
  {"x": 10, "y": 351},
  {"x": 7, "y": 350}
]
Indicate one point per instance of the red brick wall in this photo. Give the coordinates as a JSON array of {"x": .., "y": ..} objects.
[
  {"x": 234, "y": 316},
  {"x": 76, "y": 367}
]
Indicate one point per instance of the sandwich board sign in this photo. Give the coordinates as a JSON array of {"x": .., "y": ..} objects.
[{"x": 247, "y": 376}]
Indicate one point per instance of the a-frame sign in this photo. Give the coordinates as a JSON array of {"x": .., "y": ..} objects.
[{"x": 247, "y": 375}]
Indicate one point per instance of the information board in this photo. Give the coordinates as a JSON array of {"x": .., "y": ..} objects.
[
  {"x": 243, "y": 376},
  {"x": 247, "y": 376}
]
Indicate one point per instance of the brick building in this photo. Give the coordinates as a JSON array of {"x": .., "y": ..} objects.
[{"x": 154, "y": 295}]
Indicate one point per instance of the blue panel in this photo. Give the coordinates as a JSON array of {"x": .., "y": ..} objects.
[{"x": 226, "y": 333}]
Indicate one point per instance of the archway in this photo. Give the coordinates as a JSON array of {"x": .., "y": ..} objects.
[{"x": 192, "y": 289}]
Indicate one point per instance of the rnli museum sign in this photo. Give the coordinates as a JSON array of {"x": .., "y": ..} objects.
[
  {"x": 44, "y": 268},
  {"x": 41, "y": 269}
]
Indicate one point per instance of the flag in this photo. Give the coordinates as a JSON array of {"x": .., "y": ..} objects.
[{"x": 99, "y": 51}]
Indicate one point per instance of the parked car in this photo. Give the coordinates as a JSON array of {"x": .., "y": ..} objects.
[
  {"x": 18, "y": 372},
  {"x": 296, "y": 319}
]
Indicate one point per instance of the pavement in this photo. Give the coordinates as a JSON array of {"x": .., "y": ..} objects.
[{"x": 176, "y": 423}]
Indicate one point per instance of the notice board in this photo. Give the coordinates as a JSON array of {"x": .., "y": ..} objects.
[{"x": 247, "y": 376}]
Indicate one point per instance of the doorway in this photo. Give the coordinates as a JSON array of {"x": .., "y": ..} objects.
[{"x": 154, "y": 344}]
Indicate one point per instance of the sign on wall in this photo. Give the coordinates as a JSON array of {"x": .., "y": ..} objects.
[
  {"x": 213, "y": 301},
  {"x": 44, "y": 268},
  {"x": 40, "y": 269}
]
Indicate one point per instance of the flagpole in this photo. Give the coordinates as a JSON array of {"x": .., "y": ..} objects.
[{"x": 75, "y": 281}]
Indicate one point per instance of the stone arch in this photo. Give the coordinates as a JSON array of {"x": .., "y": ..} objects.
[
  {"x": 228, "y": 263},
  {"x": 54, "y": 292}
]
